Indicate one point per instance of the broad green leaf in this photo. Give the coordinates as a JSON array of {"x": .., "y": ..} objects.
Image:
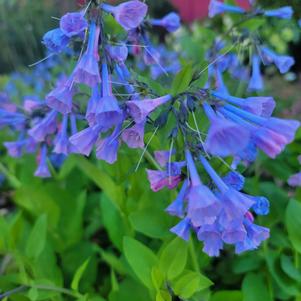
[
  {"x": 293, "y": 223},
  {"x": 254, "y": 288},
  {"x": 141, "y": 259},
  {"x": 289, "y": 268},
  {"x": 163, "y": 296},
  {"x": 37, "y": 238},
  {"x": 79, "y": 274},
  {"x": 227, "y": 296},
  {"x": 151, "y": 222},
  {"x": 157, "y": 278},
  {"x": 182, "y": 80},
  {"x": 189, "y": 283},
  {"x": 174, "y": 257}
]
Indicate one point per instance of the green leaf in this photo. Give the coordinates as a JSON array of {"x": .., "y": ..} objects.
[
  {"x": 174, "y": 257},
  {"x": 293, "y": 223},
  {"x": 289, "y": 268},
  {"x": 151, "y": 222},
  {"x": 37, "y": 238},
  {"x": 182, "y": 80},
  {"x": 163, "y": 296},
  {"x": 254, "y": 288},
  {"x": 79, "y": 274},
  {"x": 227, "y": 296},
  {"x": 189, "y": 283},
  {"x": 141, "y": 259}
]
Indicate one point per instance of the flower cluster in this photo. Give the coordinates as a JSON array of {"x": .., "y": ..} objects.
[{"x": 68, "y": 122}]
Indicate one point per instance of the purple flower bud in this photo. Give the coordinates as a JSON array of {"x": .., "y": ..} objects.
[
  {"x": 219, "y": 82},
  {"x": 140, "y": 109},
  {"x": 87, "y": 69},
  {"x": 262, "y": 205},
  {"x": 61, "y": 143},
  {"x": 60, "y": 99},
  {"x": 182, "y": 229},
  {"x": 118, "y": 53},
  {"x": 256, "y": 81},
  {"x": 285, "y": 12},
  {"x": 160, "y": 179},
  {"x": 211, "y": 237},
  {"x": 42, "y": 171},
  {"x": 162, "y": 157},
  {"x": 85, "y": 139},
  {"x": 128, "y": 14},
  {"x": 55, "y": 40},
  {"x": 31, "y": 104},
  {"x": 224, "y": 137},
  {"x": 216, "y": 8},
  {"x": 134, "y": 136},
  {"x": 73, "y": 24},
  {"x": 171, "y": 22},
  {"x": 283, "y": 62},
  {"x": 45, "y": 127},
  {"x": 295, "y": 180}
]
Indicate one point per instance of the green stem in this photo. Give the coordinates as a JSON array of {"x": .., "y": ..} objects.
[
  {"x": 193, "y": 256},
  {"x": 57, "y": 289},
  {"x": 152, "y": 160},
  {"x": 12, "y": 179}
]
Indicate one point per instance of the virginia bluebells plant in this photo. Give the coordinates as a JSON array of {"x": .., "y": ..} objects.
[{"x": 103, "y": 105}]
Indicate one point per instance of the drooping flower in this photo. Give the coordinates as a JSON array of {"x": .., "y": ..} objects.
[
  {"x": 295, "y": 180},
  {"x": 118, "y": 53},
  {"x": 285, "y": 12},
  {"x": 234, "y": 204},
  {"x": 216, "y": 8},
  {"x": 171, "y": 22},
  {"x": 203, "y": 206},
  {"x": 44, "y": 127},
  {"x": 176, "y": 208},
  {"x": 55, "y": 40},
  {"x": 211, "y": 236},
  {"x": 134, "y": 136},
  {"x": 182, "y": 229},
  {"x": 43, "y": 171},
  {"x": 107, "y": 148},
  {"x": 61, "y": 143},
  {"x": 140, "y": 109},
  {"x": 73, "y": 24},
  {"x": 92, "y": 105},
  {"x": 255, "y": 236},
  {"x": 283, "y": 62},
  {"x": 84, "y": 140},
  {"x": 87, "y": 69},
  {"x": 261, "y": 105},
  {"x": 60, "y": 99},
  {"x": 256, "y": 80},
  {"x": 14, "y": 148},
  {"x": 128, "y": 14},
  {"x": 108, "y": 112},
  {"x": 224, "y": 137}
]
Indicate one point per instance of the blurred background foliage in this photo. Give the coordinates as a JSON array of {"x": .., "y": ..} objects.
[{"x": 97, "y": 232}]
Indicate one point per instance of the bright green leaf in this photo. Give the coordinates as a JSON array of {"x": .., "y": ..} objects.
[
  {"x": 293, "y": 223},
  {"x": 141, "y": 259},
  {"x": 254, "y": 288},
  {"x": 37, "y": 238},
  {"x": 182, "y": 80},
  {"x": 79, "y": 274},
  {"x": 174, "y": 257}
]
